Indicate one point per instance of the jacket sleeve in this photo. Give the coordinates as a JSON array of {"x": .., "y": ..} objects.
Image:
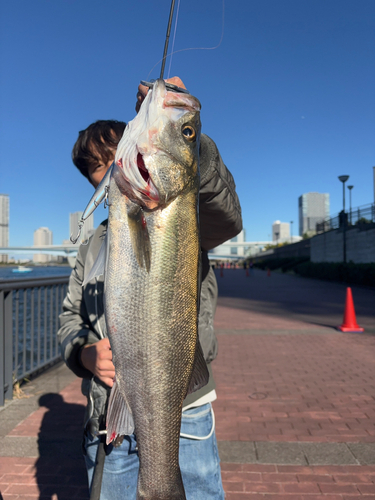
[
  {"x": 219, "y": 206},
  {"x": 75, "y": 328}
]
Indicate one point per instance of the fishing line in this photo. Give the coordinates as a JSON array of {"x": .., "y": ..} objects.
[{"x": 194, "y": 48}]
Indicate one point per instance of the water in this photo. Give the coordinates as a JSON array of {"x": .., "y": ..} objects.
[
  {"x": 6, "y": 273},
  {"x": 35, "y": 318}
]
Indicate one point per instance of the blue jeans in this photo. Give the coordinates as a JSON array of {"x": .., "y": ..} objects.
[{"x": 199, "y": 462}]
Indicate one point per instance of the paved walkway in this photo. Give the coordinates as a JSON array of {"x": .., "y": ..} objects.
[{"x": 295, "y": 410}]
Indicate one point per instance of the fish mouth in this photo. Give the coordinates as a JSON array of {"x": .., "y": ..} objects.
[
  {"x": 142, "y": 168},
  {"x": 138, "y": 182}
]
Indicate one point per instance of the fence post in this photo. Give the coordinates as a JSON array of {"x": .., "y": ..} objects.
[{"x": 6, "y": 346}]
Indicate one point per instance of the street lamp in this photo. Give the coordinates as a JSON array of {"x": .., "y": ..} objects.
[
  {"x": 350, "y": 203},
  {"x": 343, "y": 179},
  {"x": 291, "y": 231}
]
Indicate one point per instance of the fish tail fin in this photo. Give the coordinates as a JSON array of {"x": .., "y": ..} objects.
[
  {"x": 119, "y": 416},
  {"x": 200, "y": 373}
]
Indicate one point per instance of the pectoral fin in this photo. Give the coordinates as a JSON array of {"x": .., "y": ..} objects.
[
  {"x": 119, "y": 416},
  {"x": 200, "y": 374},
  {"x": 139, "y": 236},
  {"x": 99, "y": 264}
]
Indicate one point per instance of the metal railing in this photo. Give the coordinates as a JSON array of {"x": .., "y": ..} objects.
[
  {"x": 29, "y": 311},
  {"x": 354, "y": 217}
]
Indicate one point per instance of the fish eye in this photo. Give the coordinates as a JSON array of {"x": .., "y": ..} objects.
[{"x": 188, "y": 132}]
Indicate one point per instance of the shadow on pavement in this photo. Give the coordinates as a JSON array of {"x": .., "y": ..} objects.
[{"x": 60, "y": 469}]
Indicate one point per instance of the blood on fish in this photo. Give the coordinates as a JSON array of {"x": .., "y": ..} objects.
[
  {"x": 143, "y": 220},
  {"x": 142, "y": 167},
  {"x": 151, "y": 133}
]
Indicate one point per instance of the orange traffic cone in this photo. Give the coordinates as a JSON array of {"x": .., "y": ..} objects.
[{"x": 349, "y": 323}]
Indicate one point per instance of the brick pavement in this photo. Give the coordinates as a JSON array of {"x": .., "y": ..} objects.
[
  {"x": 292, "y": 390},
  {"x": 295, "y": 410}
]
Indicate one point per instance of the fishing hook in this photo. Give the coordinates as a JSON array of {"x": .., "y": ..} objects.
[{"x": 100, "y": 195}]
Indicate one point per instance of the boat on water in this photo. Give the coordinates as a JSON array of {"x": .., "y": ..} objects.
[{"x": 22, "y": 269}]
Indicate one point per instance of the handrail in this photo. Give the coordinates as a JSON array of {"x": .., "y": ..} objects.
[
  {"x": 16, "y": 284},
  {"x": 29, "y": 310},
  {"x": 358, "y": 216}
]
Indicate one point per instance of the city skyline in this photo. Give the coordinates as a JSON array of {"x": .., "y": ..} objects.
[{"x": 288, "y": 97}]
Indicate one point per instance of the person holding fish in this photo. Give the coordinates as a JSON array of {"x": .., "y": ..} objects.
[{"x": 139, "y": 338}]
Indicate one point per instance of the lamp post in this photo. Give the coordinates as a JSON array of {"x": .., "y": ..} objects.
[
  {"x": 291, "y": 231},
  {"x": 343, "y": 179},
  {"x": 350, "y": 203}
]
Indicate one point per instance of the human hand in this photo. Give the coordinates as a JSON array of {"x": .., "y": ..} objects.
[
  {"x": 142, "y": 90},
  {"x": 97, "y": 358}
]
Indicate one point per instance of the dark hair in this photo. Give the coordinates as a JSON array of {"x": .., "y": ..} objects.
[{"x": 97, "y": 142}]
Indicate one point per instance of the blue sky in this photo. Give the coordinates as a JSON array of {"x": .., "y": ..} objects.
[{"x": 288, "y": 97}]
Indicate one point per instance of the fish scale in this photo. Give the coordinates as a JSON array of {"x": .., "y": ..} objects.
[
  {"x": 150, "y": 260},
  {"x": 145, "y": 349},
  {"x": 151, "y": 285}
]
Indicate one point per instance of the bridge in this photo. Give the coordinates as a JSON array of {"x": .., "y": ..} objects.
[{"x": 70, "y": 250}]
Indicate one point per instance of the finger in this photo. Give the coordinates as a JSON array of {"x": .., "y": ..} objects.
[
  {"x": 104, "y": 343},
  {"x": 104, "y": 355},
  {"x": 106, "y": 365},
  {"x": 142, "y": 91},
  {"x": 106, "y": 374},
  {"x": 141, "y": 94},
  {"x": 175, "y": 80},
  {"x": 107, "y": 380}
]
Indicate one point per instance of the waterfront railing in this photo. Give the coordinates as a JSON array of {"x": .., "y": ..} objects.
[
  {"x": 29, "y": 315},
  {"x": 354, "y": 217}
]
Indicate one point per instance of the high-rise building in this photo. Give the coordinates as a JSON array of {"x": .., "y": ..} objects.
[
  {"x": 312, "y": 208},
  {"x": 87, "y": 229},
  {"x": 42, "y": 236},
  {"x": 280, "y": 232},
  {"x": 4, "y": 224}
]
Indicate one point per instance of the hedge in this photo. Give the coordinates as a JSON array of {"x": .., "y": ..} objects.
[
  {"x": 285, "y": 263},
  {"x": 350, "y": 273}
]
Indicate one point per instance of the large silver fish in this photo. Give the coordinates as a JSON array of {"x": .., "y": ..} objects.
[{"x": 152, "y": 284}]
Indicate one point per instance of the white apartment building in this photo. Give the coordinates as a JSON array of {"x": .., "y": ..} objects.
[
  {"x": 280, "y": 232},
  {"x": 4, "y": 224},
  {"x": 42, "y": 236}
]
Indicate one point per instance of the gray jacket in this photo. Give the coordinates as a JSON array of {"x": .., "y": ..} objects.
[{"x": 82, "y": 321}]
